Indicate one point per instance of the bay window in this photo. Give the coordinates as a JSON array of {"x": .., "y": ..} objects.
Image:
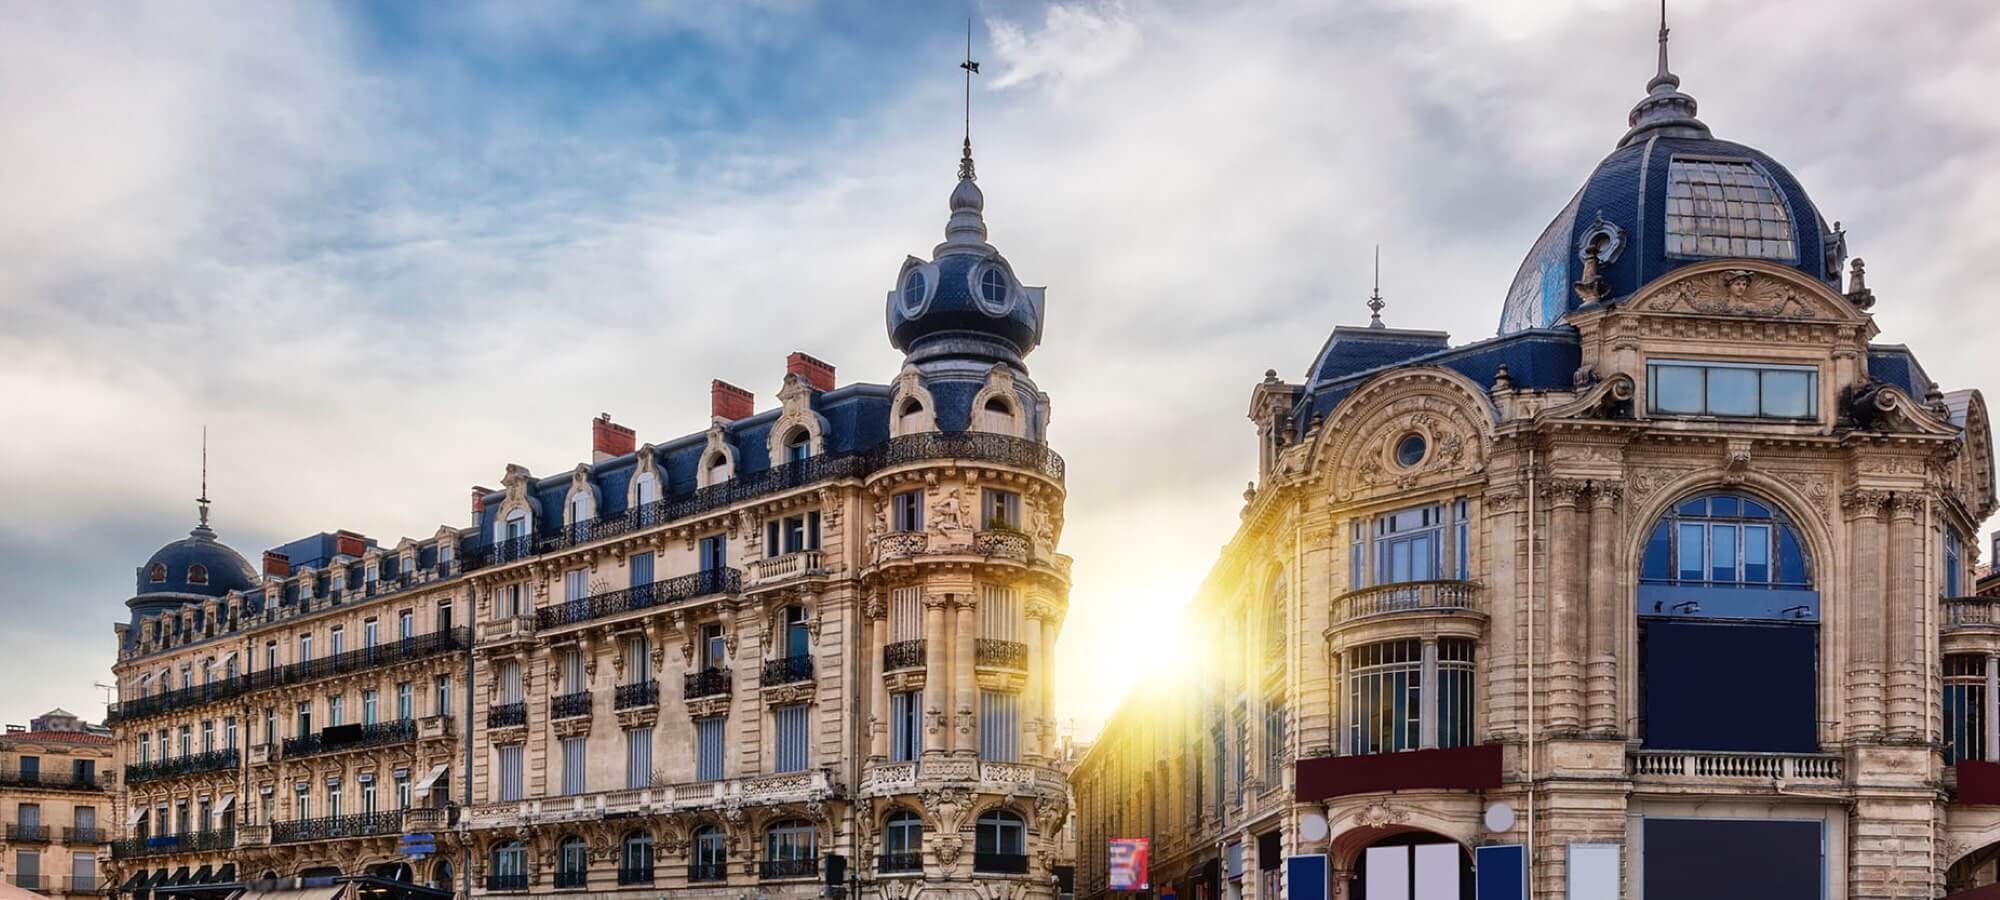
[
  {"x": 1965, "y": 707},
  {"x": 1422, "y": 543},
  {"x": 1409, "y": 694}
]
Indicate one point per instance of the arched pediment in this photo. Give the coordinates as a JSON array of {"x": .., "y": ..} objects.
[
  {"x": 1975, "y": 456},
  {"x": 796, "y": 399},
  {"x": 1741, "y": 288},
  {"x": 1355, "y": 452},
  {"x": 909, "y": 388}
]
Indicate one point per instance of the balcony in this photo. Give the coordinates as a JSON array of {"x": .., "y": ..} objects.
[
  {"x": 784, "y": 568},
  {"x": 1000, "y": 863},
  {"x": 352, "y": 737},
  {"x": 55, "y": 781},
  {"x": 903, "y": 655},
  {"x": 85, "y": 836},
  {"x": 171, "y": 701},
  {"x": 899, "y": 863},
  {"x": 570, "y": 706},
  {"x": 1003, "y": 543},
  {"x": 1406, "y": 597},
  {"x": 775, "y": 869},
  {"x": 127, "y": 848},
  {"x": 635, "y": 875},
  {"x": 507, "y": 628},
  {"x": 507, "y": 715},
  {"x": 426, "y": 646},
  {"x": 28, "y": 882},
  {"x": 86, "y": 884},
  {"x": 646, "y": 596},
  {"x": 998, "y": 654},
  {"x": 328, "y": 828},
  {"x": 571, "y": 878},
  {"x": 1822, "y": 768},
  {"x": 789, "y": 670},
  {"x": 1969, "y": 614},
  {"x": 636, "y": 695},
  {"x": 27, "y": 834},
  {"x": 708, "y": 871},
  {"x": 429, "y": 819},
  {"x": 517, "y": 881},
  {"x": 192, "y": 764},
  {"x": 900, "y": 544},
  {"x": 705, "y": 683}
]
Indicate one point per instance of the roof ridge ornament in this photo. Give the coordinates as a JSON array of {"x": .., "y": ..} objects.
[
  {"x": 971, "y": 67},
  {"x": 966, "y": 230},
  {"x": 1664, "y": 108},
  {"x": 1375, "y": 301},
  {"x": 201, "y": 529}
]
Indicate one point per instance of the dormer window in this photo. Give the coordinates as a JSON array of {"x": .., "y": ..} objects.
[
  {"x": 1733, "y": 390},
  {"x": 798, "y": 445},
  {"x": 998, "y": 415},
  {"x": 914, "y": 288},
  {"x": 197, "y": 574},
  {"x": 993, "y": 287},
  {"x": 157, "y": 574},
  {"x": 1725, "y": 208},
  {"x": 716, "y": 461}
]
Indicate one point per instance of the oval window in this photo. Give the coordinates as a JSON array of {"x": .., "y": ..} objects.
[
  {"x": 913, "y": 291},
  {"x": 1410, "y": 450},
  {"x": 993, "y": 286}
]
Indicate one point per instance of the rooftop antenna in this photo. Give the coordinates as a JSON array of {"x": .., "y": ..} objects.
[
  {"x": 1375, "y": 302},
  {"x": 971, "y": 67}
]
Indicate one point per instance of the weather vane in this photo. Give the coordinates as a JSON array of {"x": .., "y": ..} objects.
[{"x": 971, "y": 67}]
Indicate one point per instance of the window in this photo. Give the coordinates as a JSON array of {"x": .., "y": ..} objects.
[
  {"x": 145, "y": 748},
  {"x": 406, "y": 625},
  {"x": 645, "y": 489},
  {"x": 581, "y": 511},
  {"x": 906, "y": 614},
  {"x": 510, "y": 866},
  {"x": 908, "y": 509},
  {"x": 999, "y": 612},
  {"x": 405, "y": 706},
  {"x": 792, "y": 534},
  {"x": 1274, "y": 622},
  {"x": 993, "y": 285},
  {"x": 197, "y": 574},
  {"x": 790, "y": 737},
  {"x": 997, "y": 416},
  {"x": 510, "y": 772},
  {"x": 798, "y": 633},
  {"x": 911, "y": 414},
  {"x": 336, "y": 709},
  {"x": 998, "y": 727},
  {"x": 305, "y": 648},
  {"x": 714, "y": 648},
  {"x": 1000, "y": 838},
  {"x": 337, "y": 640},
  {"x": 208, "y": 736},
  {"x": 638, "y": 659},
  {"x": 368, "y": 796},
  {"x": 574, "y": 762},
  {"x": 1410, "y": 450},
  {"x": 903, "y": 842},
  {"x": 1731, "y": 389},
  {"x": 510, "y": 681},
  {"x": 1724, "y": 207},
  {"x": 442, "y": 692},
  {"x": 798, "y": 445},
  {"x": 270, "y": 725},
  {"x": 913, "y": 290},
  {"x": 510, "y": 600},
  {"x": 635, "y": 859},
  {"x": 444, "y": 617},
  {"x": 575, "y": 585},
  {"x": 1954, "y": 564},
  {"x": 640, "y": 566},
  {"x": 270, "y": 655},
  {"x": 708, "y": 863},
  {"x": 1965, "y": 712},
  {"x": 999, "y": 510},
  {"x": 793, "y": 841},
  {"x": 639, "y": 757},
  {"x": 187, "y": 741},
  {"x": 333, "y": 798},
  {"x": 906, "y": 726},
  {"x": 1455, "y": 672},
  {"x": 305, "y": 718},
  {"x": 1725, "y": 541},
  {"x": 1385, "y": 697},
  {"x": 402, "y": 790},
  {"x": 157, "y": 574},
  {"x": 708, "y": 748},
  {"x": 572, "y": 862},
  {"x": 368, "y": 706},
  {"x": 1274, "y": 744},
  {"x": 371, "y": 633}
]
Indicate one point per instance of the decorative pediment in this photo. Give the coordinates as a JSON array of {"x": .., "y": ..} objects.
[
  {"x": 707, "y": 469},
  {"x": 795, "y": 398},
  {"x": 903, "y": 418},
  {"x": 1738, "y": 288},
  {"x": 999, "y": 387},
  {"x": 1357, "y": 452}
]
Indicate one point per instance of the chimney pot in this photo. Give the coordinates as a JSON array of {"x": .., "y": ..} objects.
[
  {"x": 277, "y": 565},
  {"x": 609, "y": 439},
  {"x": 812, "y": 370},
  {"x": 728, "y": 402}
]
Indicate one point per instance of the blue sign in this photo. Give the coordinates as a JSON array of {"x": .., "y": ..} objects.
[
  {"x": 1500, "y": 871},
  {"x": 417, "y": 845},
  {"x": 1305, "y": 877}
]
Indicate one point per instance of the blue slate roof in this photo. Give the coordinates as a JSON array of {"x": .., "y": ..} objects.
[
  {"x": 1895, "y": 364},
  {"x": 226, "y": 569},
  {"x": 1539, "y": 359}
]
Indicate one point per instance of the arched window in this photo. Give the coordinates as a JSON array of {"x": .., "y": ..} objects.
[
  {"x": 516, "y": 526},
  {"x": 645, "y": 488},
  {"x": 798, "y": 445},
  {"x": 157, "y": 574},
  {"x": 572, "y": 862},
  {"x": 197, "y": 574},
  {"x": 1730, "y": 542},
  {"x": 997, "y": 416},
  {"x": 509, "y": 868},
  {"x": 582, "y": 508},
  {"x": 1000, "y": 843},
  {"x": 635, "y": 859},
  {"x": 709, "y": 861},
  {"x": 441, "y": 876},
  {"x": 790, "y": 849},
  {"x": 1274, "y": 622},
  {"x": 903, "y": 842}
]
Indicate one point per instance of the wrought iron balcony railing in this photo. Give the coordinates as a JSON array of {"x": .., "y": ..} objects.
[
  {"x": 217, "y": 839},
  {"x": 423, "y": 646},
  {"x": 517, "y": 881},
  {"x": 569, "y": 706},
  {"x": 27, "y": 834},
  {"x": 351, "y": 737},
  {"x": 637, "y": 694},
  {"x": 788, "y": 670},
  {"x": 58, "y": 780},
  {"x": 85, "y": 884},
  {"x": 788, "y": 868},
  {"x": 635, "y": 875},
  {"x": 892, "y": 863},
  {"x": 903, "y": 655},
  {"x": 507, "y": 715},
  {"x": 332, "y": 827},
  {"x": 27, "y": 881},
  {"x": 709, "y": 871},
  {"x": 171, "y": 701},
  {"x": 192, "y": 764},
  {"x": 85, "y": 835},
  {"x": 1000, "y": 449},
  {"x": 572, "y": 878},
  {"x": 1000, "y": 863},
  {"x": 705, "y": 683},
  {"x": 1000, "y": 654},
  {"x": 646, "y": 596},
  {"x": 1406, "y": 597}
]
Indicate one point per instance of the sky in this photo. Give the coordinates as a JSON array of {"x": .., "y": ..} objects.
[{"x": 381, "y": 250}]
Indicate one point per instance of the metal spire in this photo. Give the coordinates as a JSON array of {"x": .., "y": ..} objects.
[
  {"x": 1664, "y": 109},
  {"x": 1663, "y": 41},
  {"x": 201, "y": 502},
  {"x": 971, "y": 67},
  {"x": 1375, "y": 301}
]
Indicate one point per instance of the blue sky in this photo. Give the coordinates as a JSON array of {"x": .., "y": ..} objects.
[{"x": 383, "y": 250}]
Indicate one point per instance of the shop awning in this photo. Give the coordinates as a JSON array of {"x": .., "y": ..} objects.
[
  {"x": 135, "y": 883},
  {"x": 180, "y": 877},
  {"x": 227, "y": 802},
  {"x": 203, "y": 875},
  {"x": 226, "y": 874},
  {"x": 137, "y": 816},
  {"x": 424, "y": 787},
  {"x": 323, "y": 892}
]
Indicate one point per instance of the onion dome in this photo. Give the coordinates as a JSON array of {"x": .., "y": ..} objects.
[
  {"x": 964, "y": 305},
  {"x": 1670, "y": 194},
  {"x": 195, "y": 566}
]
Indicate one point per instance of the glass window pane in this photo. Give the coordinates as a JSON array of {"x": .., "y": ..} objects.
[
  {"x": 1732, "y": 392},
  {"x": 1659, "y": 563},
  {"x": 1791, "y": 560},
  {"x": 1722, "y": 507},
  {"x": 1677, "y": 389},
  {"x": 1420, "y": 559},
  {"x": 1787, "y": 393},
  {"x": 1691, "y": 540},
  {"x": 1722, "y": 553},
  {"x": 1696, "y": 507},
  {"x": 1757, "y": 554}
]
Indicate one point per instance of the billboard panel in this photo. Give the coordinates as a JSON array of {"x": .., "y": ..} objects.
[{"x": 1129, "y": 864}]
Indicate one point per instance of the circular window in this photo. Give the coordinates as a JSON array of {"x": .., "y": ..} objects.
[
  {"x": 913, "y": 291},
  {"x": 1410, "y": 450},
  {"x": 993, "y": 286}
]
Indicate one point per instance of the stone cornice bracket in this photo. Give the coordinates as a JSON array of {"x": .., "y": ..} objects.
[
  {"x": 1606, "y": 494},
  {"x": 1906, "y": 505},
  {"x": 1564, "y": 491},
  {"x": 1863, "y": 502}
]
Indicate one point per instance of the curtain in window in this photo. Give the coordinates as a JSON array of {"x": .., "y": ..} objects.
[
  {"x": 510, "y": 772},
  {"x": 576, "y": 585},
  {"x": 708, "y": 748},
  {"x": 998, "y": 727},
  {"x": 510, "y": 681},
  {"x": 999, "y": 610},
  {"x": 642, "y": 569},
  {"x": 906, "y": 614},
  {"x": 638, "y": 660},
  {"x": 790, "y": 738},
  {"x": 639, "y": 758},
  {"x": 574, "y": 760}
]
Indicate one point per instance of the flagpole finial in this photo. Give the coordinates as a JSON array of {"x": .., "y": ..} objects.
[
  {"x": 971, "y": 67},
  {"x": 1375, "y": 301},
  {"x": 201, "y": 502}
]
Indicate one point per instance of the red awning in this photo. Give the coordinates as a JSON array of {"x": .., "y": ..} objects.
[{"x": 1465, "y": 768}]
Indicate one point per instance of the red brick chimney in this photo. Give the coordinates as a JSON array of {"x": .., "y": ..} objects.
[
  {"x": 277, "y": 565},
  {"x": 811, "y": 370},
  {"x": 609, "y": 439},
  {"x": 729, "y": 402},
  {"x": 348, "y": 543}
]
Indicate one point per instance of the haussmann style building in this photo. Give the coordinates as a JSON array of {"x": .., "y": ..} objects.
[
  {"x": 56, "y": 784},
  {"x": 701, "y": 668},
  {"x": 1663, "y": 592}
]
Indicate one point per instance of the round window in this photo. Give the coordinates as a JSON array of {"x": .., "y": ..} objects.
[
  {"x": 993, "y": 286},
  {"x": 913, "y": 290},
  {"x": 1410, "y": 450}
]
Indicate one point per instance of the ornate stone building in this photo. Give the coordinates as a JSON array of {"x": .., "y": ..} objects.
[
  {"x": 55, "y": 797},
  {"x": 706, "y": 667},
  {"x": 1662, "y": 592}
]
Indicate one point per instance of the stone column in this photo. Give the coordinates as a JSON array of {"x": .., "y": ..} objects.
[
  {"x": 1865, "y": 602},
  {"x": 878, "y": 723},
  {"x": 1987, "y": 707},
  {"x": 1050, "y": 628},
  {"x": 1566, "y": 620},
  {"x": 1606, "y": 613},
  {"x": 1031, "y": 690},
  {"x": 1904, "y": 655},
  {"x": 964, "y": 684},
  {"x": 1427, "y": 727},
  {"x": 937, "y": 685}
]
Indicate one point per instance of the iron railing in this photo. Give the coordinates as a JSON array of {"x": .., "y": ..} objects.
[
  {"x": 507, "y": 715},
  {"x": 216, "y": 839},
  {"x": 891, "y": 863},
  {"x": 517, "y": 881},
  {"x": 710, "y": 871},
  {"x": 85, "y": 884},
  {"x": 565, "y": 706},
  {"x": 659, "y": 593},
  {"x": 903, "y": 655},
  {"x": 351, "y": 737},
  {"x": 637, "y": 694},
  {"x": 1000, "y": 863},
  {"x": 57, "y": 780},
  {"x": 194, "y": 763},
  {"x": 705, "y": 683},
  {"x": 1407, "y": 596},
  {"x": 27, "y": 834},
  {"x": 788, "y": 868},
  {"x": 635, "y": 875},
  {"x": 423, "y": 646},
  {"x": 1000, "y": 654},
  {"x": 332, "y": 827},
  {"x": 910, "y": 448},
  {"x": 85, "y": 836},
  {"x": 788, "y": 670},
  {"x": 572, "y": 878}
]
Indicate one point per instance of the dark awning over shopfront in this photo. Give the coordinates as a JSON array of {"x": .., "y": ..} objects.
[{"x": 1467, "y": 768}]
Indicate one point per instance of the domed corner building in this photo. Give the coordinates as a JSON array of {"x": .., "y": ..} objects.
[{"x": 1661, "y": 593}]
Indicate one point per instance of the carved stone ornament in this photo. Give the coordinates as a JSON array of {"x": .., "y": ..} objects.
[
  {"x": 1379, "y": 814},
  {"x": 1736, "y": 292}
]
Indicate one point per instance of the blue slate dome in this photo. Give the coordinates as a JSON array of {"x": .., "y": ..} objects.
[
  {"x": 197, "y": 564},
  {"x": 1669, "y": 195},
  {"x": 965, "y": 304}
]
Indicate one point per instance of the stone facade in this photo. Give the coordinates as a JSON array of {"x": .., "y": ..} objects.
[{"x": 55, "y": 798}]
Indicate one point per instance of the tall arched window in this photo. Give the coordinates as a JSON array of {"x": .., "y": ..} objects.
[
  {"x": 1000, "y": 843},
  {"x": 582, "y": 509},
  {"x": 902, "y": 843},
  {"x": 1728, "y": 629},
  {"x": 798, "y": 445},
  {"x": 635, "y": 859},
  {"x": 997, "y": 416},
  {"x": 709, "y": 861},
  {"x": 790, "y": 849},
  {"x": 645, "y": 492},
  {"x": 572, "y": 862},
  {"x": 441, "y": 876},
  {"x": 509, "y": 868}
]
